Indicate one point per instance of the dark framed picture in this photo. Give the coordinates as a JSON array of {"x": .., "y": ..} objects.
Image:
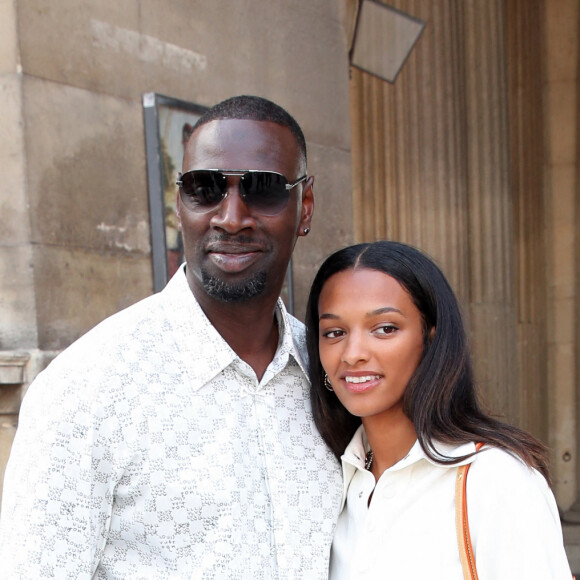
[{"x": 168, "y": 125}]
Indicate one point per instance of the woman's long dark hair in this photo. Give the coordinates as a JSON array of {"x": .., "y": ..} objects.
[{"x": 440, "y": 398}]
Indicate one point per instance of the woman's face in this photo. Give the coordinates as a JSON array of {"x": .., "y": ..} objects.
[{"x": 371, "y": 340}]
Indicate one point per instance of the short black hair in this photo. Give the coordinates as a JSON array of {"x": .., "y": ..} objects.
[{"x": 251, "y": 107}]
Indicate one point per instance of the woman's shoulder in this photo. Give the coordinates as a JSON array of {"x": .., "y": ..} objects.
[
  {"x": 492, "y": 457},
  {"x": 513, "y": 519},
  {"x": 500, "y": 478},
  {"x": 495, "y": 466}
]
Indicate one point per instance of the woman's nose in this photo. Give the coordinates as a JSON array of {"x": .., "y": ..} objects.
[{"x": 355, "y": 349}]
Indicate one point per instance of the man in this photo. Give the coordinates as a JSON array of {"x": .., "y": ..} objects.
[{"x": 175, "y": 439}]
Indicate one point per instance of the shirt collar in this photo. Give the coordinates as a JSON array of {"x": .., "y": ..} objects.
[
  {"x": 356, "y": 451},
  {"x": 354, "y": 456},
  {"x": 293, "y": 340},
  {"x": 201, "y": 347}
]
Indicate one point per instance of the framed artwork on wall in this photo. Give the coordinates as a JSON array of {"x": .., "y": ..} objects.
[{"x": 168, "y": 125}]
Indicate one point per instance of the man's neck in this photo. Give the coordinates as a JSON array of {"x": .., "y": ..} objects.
[{"x": 250, "y": 328}]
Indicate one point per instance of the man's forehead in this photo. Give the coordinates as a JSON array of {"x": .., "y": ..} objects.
[
  {"x": 228, "y": 132},
  {"x": 241, "y": 144}
]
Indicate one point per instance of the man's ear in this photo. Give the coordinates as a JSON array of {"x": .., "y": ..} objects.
[{"x": 307, "y": 208}]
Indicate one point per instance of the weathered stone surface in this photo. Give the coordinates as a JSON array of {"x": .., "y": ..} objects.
[
  {"x": 9, "y": 399},
  {"x": 13, "y": 199},
  {"x": 7, "y": 432},
  {"x": 87, "y": 179},
  {"x": 8, "y": 37},
  {"x": 12, "y": 365},
  {"x": 17, "y": 299},
  {"x": 203, "y": 53},
  {"x": 77, "y": 288}
]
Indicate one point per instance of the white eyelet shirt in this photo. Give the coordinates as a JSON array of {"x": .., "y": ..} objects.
[
  {"x": 148, "y": 449},
  {"x": 408, "y": 532}
]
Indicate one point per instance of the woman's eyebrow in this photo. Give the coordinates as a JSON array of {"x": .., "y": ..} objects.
[
  {"x": 378, "y": 311},
  {"x": 328, "y": 316},
  {"x": 384, "y": 310}
]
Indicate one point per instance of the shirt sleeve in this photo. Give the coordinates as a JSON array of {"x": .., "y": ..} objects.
[
  {"x": 59, "y": 482},
  {"x": 513, "y": 519}
]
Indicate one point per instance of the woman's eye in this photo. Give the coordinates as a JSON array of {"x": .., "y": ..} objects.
[
  {"x": 332, "y": 333},
  {"x": 387, "y": 329}
]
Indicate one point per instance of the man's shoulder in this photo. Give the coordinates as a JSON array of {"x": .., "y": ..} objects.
[
  {"x": 120, "y": 331},
  {"x": 134, "y": 319},
  {"x": 126, "y": 321}
]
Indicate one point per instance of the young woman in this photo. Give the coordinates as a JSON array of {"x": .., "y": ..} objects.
[{"x": 393, "y": 395}]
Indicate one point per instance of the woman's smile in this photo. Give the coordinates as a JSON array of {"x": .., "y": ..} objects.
[{"x": 361, "y": 384}]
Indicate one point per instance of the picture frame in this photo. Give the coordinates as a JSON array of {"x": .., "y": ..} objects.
[{"x": 168, "y": 123}]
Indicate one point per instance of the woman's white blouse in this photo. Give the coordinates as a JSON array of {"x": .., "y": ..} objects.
[{"x": 408, "y": 532}]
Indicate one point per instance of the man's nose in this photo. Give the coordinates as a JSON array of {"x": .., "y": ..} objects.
[{"x": 233, "y": 214}]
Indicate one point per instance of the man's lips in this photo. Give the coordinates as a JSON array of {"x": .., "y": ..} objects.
[
  {"x": 233, "y": 257},
  {"x": 221, "y": 248}
]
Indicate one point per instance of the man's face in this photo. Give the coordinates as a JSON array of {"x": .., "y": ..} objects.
[{"x": 232, "y": 252}]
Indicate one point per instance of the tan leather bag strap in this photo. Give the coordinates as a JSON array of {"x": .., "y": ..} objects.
[{"x": 462, "y": 522}]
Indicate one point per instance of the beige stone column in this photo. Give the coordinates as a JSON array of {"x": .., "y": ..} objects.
[
  {"x": 562, "y": 207},
  {"x": 408, "y": 146},
  {"x": 17, "y": 308},
  {"x": 431, "y": 167},
  {"x": 491, "y": 244},
  {"x": 524, "y": 27}
]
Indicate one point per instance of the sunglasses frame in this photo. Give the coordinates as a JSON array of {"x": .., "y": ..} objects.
[{"x": 241, "y": 173}]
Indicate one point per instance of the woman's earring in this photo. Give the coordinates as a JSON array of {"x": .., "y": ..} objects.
[{"x": 327, "y": 383}]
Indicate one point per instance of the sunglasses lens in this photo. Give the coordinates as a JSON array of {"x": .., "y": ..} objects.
[
  {"x": 262, "y": 191},
  {"x": 265, "y": 192},
  {"x": 202, "y": 190}
]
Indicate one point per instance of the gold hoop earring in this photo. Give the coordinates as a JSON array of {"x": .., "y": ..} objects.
[{"x": 327, "y": 383}]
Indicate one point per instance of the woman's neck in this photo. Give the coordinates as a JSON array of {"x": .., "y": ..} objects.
[{"x": 390, "y": 440}]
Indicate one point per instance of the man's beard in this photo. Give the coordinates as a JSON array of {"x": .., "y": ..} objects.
[{"x": 233, "y": 292}]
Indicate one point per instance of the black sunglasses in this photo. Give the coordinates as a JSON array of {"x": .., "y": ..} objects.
[{"x": 265, "y": 192}]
